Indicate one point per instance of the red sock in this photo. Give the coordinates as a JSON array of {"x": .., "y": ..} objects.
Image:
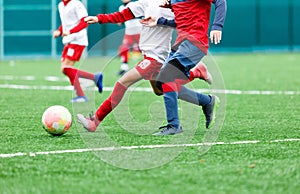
[
  {"x": 72, "y": 75},
  {"x": 112, "y": 101},
  {"x": 123, "y": 53},
  {"x": 169, "y": 87},
  {"x": 86, "y": 75}
]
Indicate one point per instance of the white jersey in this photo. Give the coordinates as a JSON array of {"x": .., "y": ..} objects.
[
  {"x": 155, "y": 42},
  {"x": 70, "y": 16},
  {"x": 131, "y": 26}
]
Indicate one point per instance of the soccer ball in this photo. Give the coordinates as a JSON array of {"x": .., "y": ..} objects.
[{"x": 57, "y": 120}]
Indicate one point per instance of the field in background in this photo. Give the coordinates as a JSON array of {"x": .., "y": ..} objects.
[{"x": 261, "y": 134}]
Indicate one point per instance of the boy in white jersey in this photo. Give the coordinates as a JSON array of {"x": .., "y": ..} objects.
[
  {"x": 155, "y": 44},
  {"x": 73, "y": 30},
  {"x": 131, "y": 38}
]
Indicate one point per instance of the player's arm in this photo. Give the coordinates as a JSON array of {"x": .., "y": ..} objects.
[
  {"x": 57, "y": 32},
  {"x": 80, "y": 26},
  {"x": 153, "y": 21},
  {"x": 117, "y": 17},
  {"x": 219, "y": 19}
]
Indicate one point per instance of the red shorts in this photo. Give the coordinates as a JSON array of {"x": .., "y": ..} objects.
[
  {"x": 72, "y": 52},
  {"x": 148, "y": 68}
]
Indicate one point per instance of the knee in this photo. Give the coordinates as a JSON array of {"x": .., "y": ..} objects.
[
  {"x": 123, "y": 49},
  {"x": 158, "y": 84},
  {"x": 158, "y": 93},
  {"x": 64, "y": 70}
]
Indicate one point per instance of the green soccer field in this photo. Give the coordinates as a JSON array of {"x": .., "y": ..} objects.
[{"x": 256, "y": 148}]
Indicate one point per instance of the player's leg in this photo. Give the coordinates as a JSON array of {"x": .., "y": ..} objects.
[
  {"x": 149, "y": 69},
  {"x": 124, "y": 53},
  {"x": 71, "y": 54},
  {"x": 111, "y": 102},
  {"x": 136, "y": 52},
  {"x": 188, "y": 58},
  {"x": 155, "y": 89},
  {"x": 200, "y": 71},
  {"x": 172, "y": 77},
  {"x": 166, "y": 82},
  {"x": 209, "y": 103},
  {"x": 129, "y": 78},
  {"x": 71, "y": 73},
  {"x": 74, "y": 74},
  {"x": 146, "y": 69},
  {"x": 97, "y": 78}
]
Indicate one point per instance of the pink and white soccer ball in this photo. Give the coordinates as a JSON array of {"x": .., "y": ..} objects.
[{"x": 57, "y": 120}]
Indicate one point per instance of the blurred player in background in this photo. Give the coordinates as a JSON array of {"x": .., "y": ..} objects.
[
  {"x": 155, "y": 44},
  {"x": 192, "y": 19},
  {"x": 131, "y": 38},
  {"x": 74, "y": 33}
]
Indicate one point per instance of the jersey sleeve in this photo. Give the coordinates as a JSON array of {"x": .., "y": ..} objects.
[
  {"x": 138, "y": 7},
  {"x": 81, "y": 25},
  {"x": 220, "y": 14},
  {"x": 117, "y": 17},
  {"x": 60, "y": 29},
  {"x": 165, "y": 22}
]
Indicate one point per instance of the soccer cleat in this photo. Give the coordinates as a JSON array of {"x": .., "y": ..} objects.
[
  {"x": 200, "y": 71},
  {"x": 98, "y": 80},
  {"x": 121, "y": 72},
  {"x": 79, "y": 99},
  {"x": 168, "y": 130},
  {"x": 124, "y": 68},
  {"x": 89, "y": 124},
  {"x": 210, "y": 110}
]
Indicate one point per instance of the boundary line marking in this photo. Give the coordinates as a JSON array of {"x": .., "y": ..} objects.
[
  {"x": 32, "y": 154},
  {"x": 145, "y": 89}
]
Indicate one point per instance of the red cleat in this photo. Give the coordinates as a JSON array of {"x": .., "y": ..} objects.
[
  {"x": 200, "y": 71},
  {"x": 89, "y": 124}
]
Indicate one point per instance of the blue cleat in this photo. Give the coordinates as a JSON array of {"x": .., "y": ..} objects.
[
  {"x": 98, "y": 81},
  {"x": 168, "y": 130},
  {"x": 79, "y": 99}
]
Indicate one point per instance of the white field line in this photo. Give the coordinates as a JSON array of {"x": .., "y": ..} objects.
[
  {"x": 141, "y": 147},
  {"x": 32, "y": 78},
  {"x": 138, "y": 89},
  {"x": 145, "y": 89}
]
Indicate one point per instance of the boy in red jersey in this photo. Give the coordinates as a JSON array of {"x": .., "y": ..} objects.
[
  {"x": 192, "y": 23},
  {"x": 155, "y": 51},
  {"x": 72, "y": 29}
]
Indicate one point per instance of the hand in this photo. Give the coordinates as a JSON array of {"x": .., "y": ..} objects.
[
  {"x": 66, "y": 33},
  {"x": 215, "y": 36},
  {"x": 149, "y": 21},
  {"x": 165, "y": 4},
  {"x": 91, "y": 19},
  {"x": 56, "y": 34}
]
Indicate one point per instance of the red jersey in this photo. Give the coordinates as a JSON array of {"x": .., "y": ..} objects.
[{"x": 192, "y": 19}]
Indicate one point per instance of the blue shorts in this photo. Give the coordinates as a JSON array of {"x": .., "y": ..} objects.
[{"x": 187, "y": 54}]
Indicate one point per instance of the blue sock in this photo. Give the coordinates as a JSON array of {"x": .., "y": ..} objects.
[
  {"x": 171, "y": 105},
  {"x": 193, "y": 97}
]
